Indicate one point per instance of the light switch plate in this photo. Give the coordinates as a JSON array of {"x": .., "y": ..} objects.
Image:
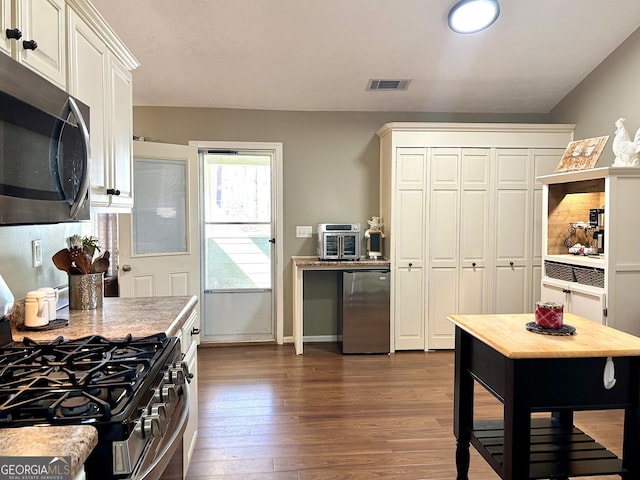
[
  {"x": 36, "y": 253},
  {"x": 303, "y": 231}
]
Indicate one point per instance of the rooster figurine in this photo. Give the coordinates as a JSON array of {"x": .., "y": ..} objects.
[{"x": 626, "y": 151}]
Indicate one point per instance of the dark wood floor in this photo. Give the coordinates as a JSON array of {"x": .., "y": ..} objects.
[{"x": 267, "y": 414}]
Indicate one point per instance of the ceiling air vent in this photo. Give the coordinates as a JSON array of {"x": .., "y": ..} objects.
[{"x": 388, "y": 84}]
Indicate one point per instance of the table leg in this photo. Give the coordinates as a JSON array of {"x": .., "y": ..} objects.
[
  {"x": 298, "y": 311},
  {"x": 517, "y": 424},
  {"x": 462, "y": 404},
  {"x": 631, "y": 444}
]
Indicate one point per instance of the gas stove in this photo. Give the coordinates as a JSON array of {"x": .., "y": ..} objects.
[{"x": 130, "y": 389}]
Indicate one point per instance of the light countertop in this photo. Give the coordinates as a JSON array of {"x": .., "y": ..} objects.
[
  {"x": 313, "y": 262},
  {"x": 118, "y": 317},
  {"x": 507, "y": 334}
]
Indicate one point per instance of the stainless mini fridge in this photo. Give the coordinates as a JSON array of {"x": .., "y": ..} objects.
[{"x": 364, "y": 311}]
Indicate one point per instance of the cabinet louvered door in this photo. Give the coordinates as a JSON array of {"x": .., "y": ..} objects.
[
  {"x": 408, "y": 231},
  {"x": 512, "y": 228},
  {"x": 458, "y": 238}
]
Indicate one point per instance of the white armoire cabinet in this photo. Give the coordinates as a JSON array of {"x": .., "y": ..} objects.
[
  {"x": 462, "y": 210},
  {"x": 604, "y": 288}
]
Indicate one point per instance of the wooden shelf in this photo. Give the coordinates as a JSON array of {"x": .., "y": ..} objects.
[{"x": 556, "y": 451}]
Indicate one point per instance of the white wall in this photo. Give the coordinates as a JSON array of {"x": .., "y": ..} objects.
[
  {"x": 15, "y": 255},
  {"x": 611, "y": 91}
]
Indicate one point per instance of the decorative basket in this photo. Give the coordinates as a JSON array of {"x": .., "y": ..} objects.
[
  {"x": 589, "y": 276},
  {"x": 561, "y": 271}
]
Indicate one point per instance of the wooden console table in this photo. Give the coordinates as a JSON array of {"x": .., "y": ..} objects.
[
  {"x": 300, "y": 264},
  {"x": 530, "y": 372}
]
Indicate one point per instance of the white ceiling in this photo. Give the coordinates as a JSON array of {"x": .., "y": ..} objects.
[{"x": 319, "y": 54}]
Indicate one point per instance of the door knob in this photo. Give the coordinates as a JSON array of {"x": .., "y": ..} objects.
[{"x": 126, "y": 268}]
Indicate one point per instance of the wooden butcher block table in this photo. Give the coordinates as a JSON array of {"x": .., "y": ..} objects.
[{"x": 597, "y": 368}]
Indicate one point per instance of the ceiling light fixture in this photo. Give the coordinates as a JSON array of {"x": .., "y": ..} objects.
[{"x": 471, "y": 16}]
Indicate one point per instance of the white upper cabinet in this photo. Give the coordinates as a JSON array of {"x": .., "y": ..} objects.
[
  {"x": 120, "y": 189},
  {"x": 88, "y": 80},
  {"x": 36, "y": 37},
  {"x": 100, "y": 76}
]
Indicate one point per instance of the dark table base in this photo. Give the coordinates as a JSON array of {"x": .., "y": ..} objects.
[{"x": 519, "y": 447}]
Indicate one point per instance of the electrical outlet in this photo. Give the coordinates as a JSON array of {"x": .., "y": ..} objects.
[
  {"x": 303, "y": 231},
  {"x": 36, "y": 253}
]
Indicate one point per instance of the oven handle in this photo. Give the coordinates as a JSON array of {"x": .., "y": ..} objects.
[
  {"x": 156, "y": 469},
  {"x": 84, "y": 183}
]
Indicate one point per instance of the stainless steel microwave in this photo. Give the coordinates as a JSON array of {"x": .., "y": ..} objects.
[
  {"x": 339, "y": 241},
  {"x": 44, "y": 150}
]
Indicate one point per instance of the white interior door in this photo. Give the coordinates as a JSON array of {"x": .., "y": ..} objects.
[{"x": 159, "y": 241}]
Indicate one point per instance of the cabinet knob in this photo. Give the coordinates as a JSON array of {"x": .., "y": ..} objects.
[
  {"x": 473, "y": 264},
  {"x": 29, "y": 44},
  {"x": 14, "y": 33},
  {"x": 566, "y": 290},
  {"x": 511, "y": 263},
  {"x": 195, "y": 331},
  {"x": 126, "y": 268},
  {"x": 113, "y": 191},
  {"x": 410, "y": 264}
]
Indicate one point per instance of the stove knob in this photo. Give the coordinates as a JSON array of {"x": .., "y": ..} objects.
[
  {"x": 166, "y": 394},
  {"x": 182, "y": 366},
  {"x": 160, "y": 410},
  {"x": 174, "y": 375},
  {"x": 150, "y": 426},
  {"x": 185, "y": 369}
]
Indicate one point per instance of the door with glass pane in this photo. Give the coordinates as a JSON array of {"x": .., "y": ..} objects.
[
  {"x": 159, "y": 240},
  {"x": 238, "y": 244}
]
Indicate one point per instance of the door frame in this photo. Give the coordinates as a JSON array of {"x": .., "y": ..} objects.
[{"x": 275, "y": 149}]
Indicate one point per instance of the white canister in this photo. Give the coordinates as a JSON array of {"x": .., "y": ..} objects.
[
  {"x": 36, "y": 309},
  {"x": 52, "y": 298}
]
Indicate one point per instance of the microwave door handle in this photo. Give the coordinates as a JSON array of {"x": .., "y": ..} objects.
[
  {"x": 340, "y": 246},
  {"x": 84, "y": 135}
]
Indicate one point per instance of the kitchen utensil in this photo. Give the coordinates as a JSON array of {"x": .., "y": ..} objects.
[
  {"x": 6, "y": 298},
  {"x": 101, "y": 265},
  {"x": 36, "y": 309},
  {"x": 81, "y": 259},
  {"x": 62, "y": 260},
  {"x": 87, "y": 262},
  {"x": 52, "y": 298}
]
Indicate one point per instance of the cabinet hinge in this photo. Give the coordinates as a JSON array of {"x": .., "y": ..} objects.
[{"x": 604, "y": 312}]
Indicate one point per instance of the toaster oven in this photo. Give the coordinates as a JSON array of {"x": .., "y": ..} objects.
[{"x": 339, "y": 241}]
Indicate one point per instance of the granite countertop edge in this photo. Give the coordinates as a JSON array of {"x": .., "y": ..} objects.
[
  {"x": 314, "y": 261},
  {"x": 75, "y": 441}
]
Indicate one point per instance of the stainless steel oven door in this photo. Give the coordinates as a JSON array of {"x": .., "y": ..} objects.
[{"x": 162, "y": 449}]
